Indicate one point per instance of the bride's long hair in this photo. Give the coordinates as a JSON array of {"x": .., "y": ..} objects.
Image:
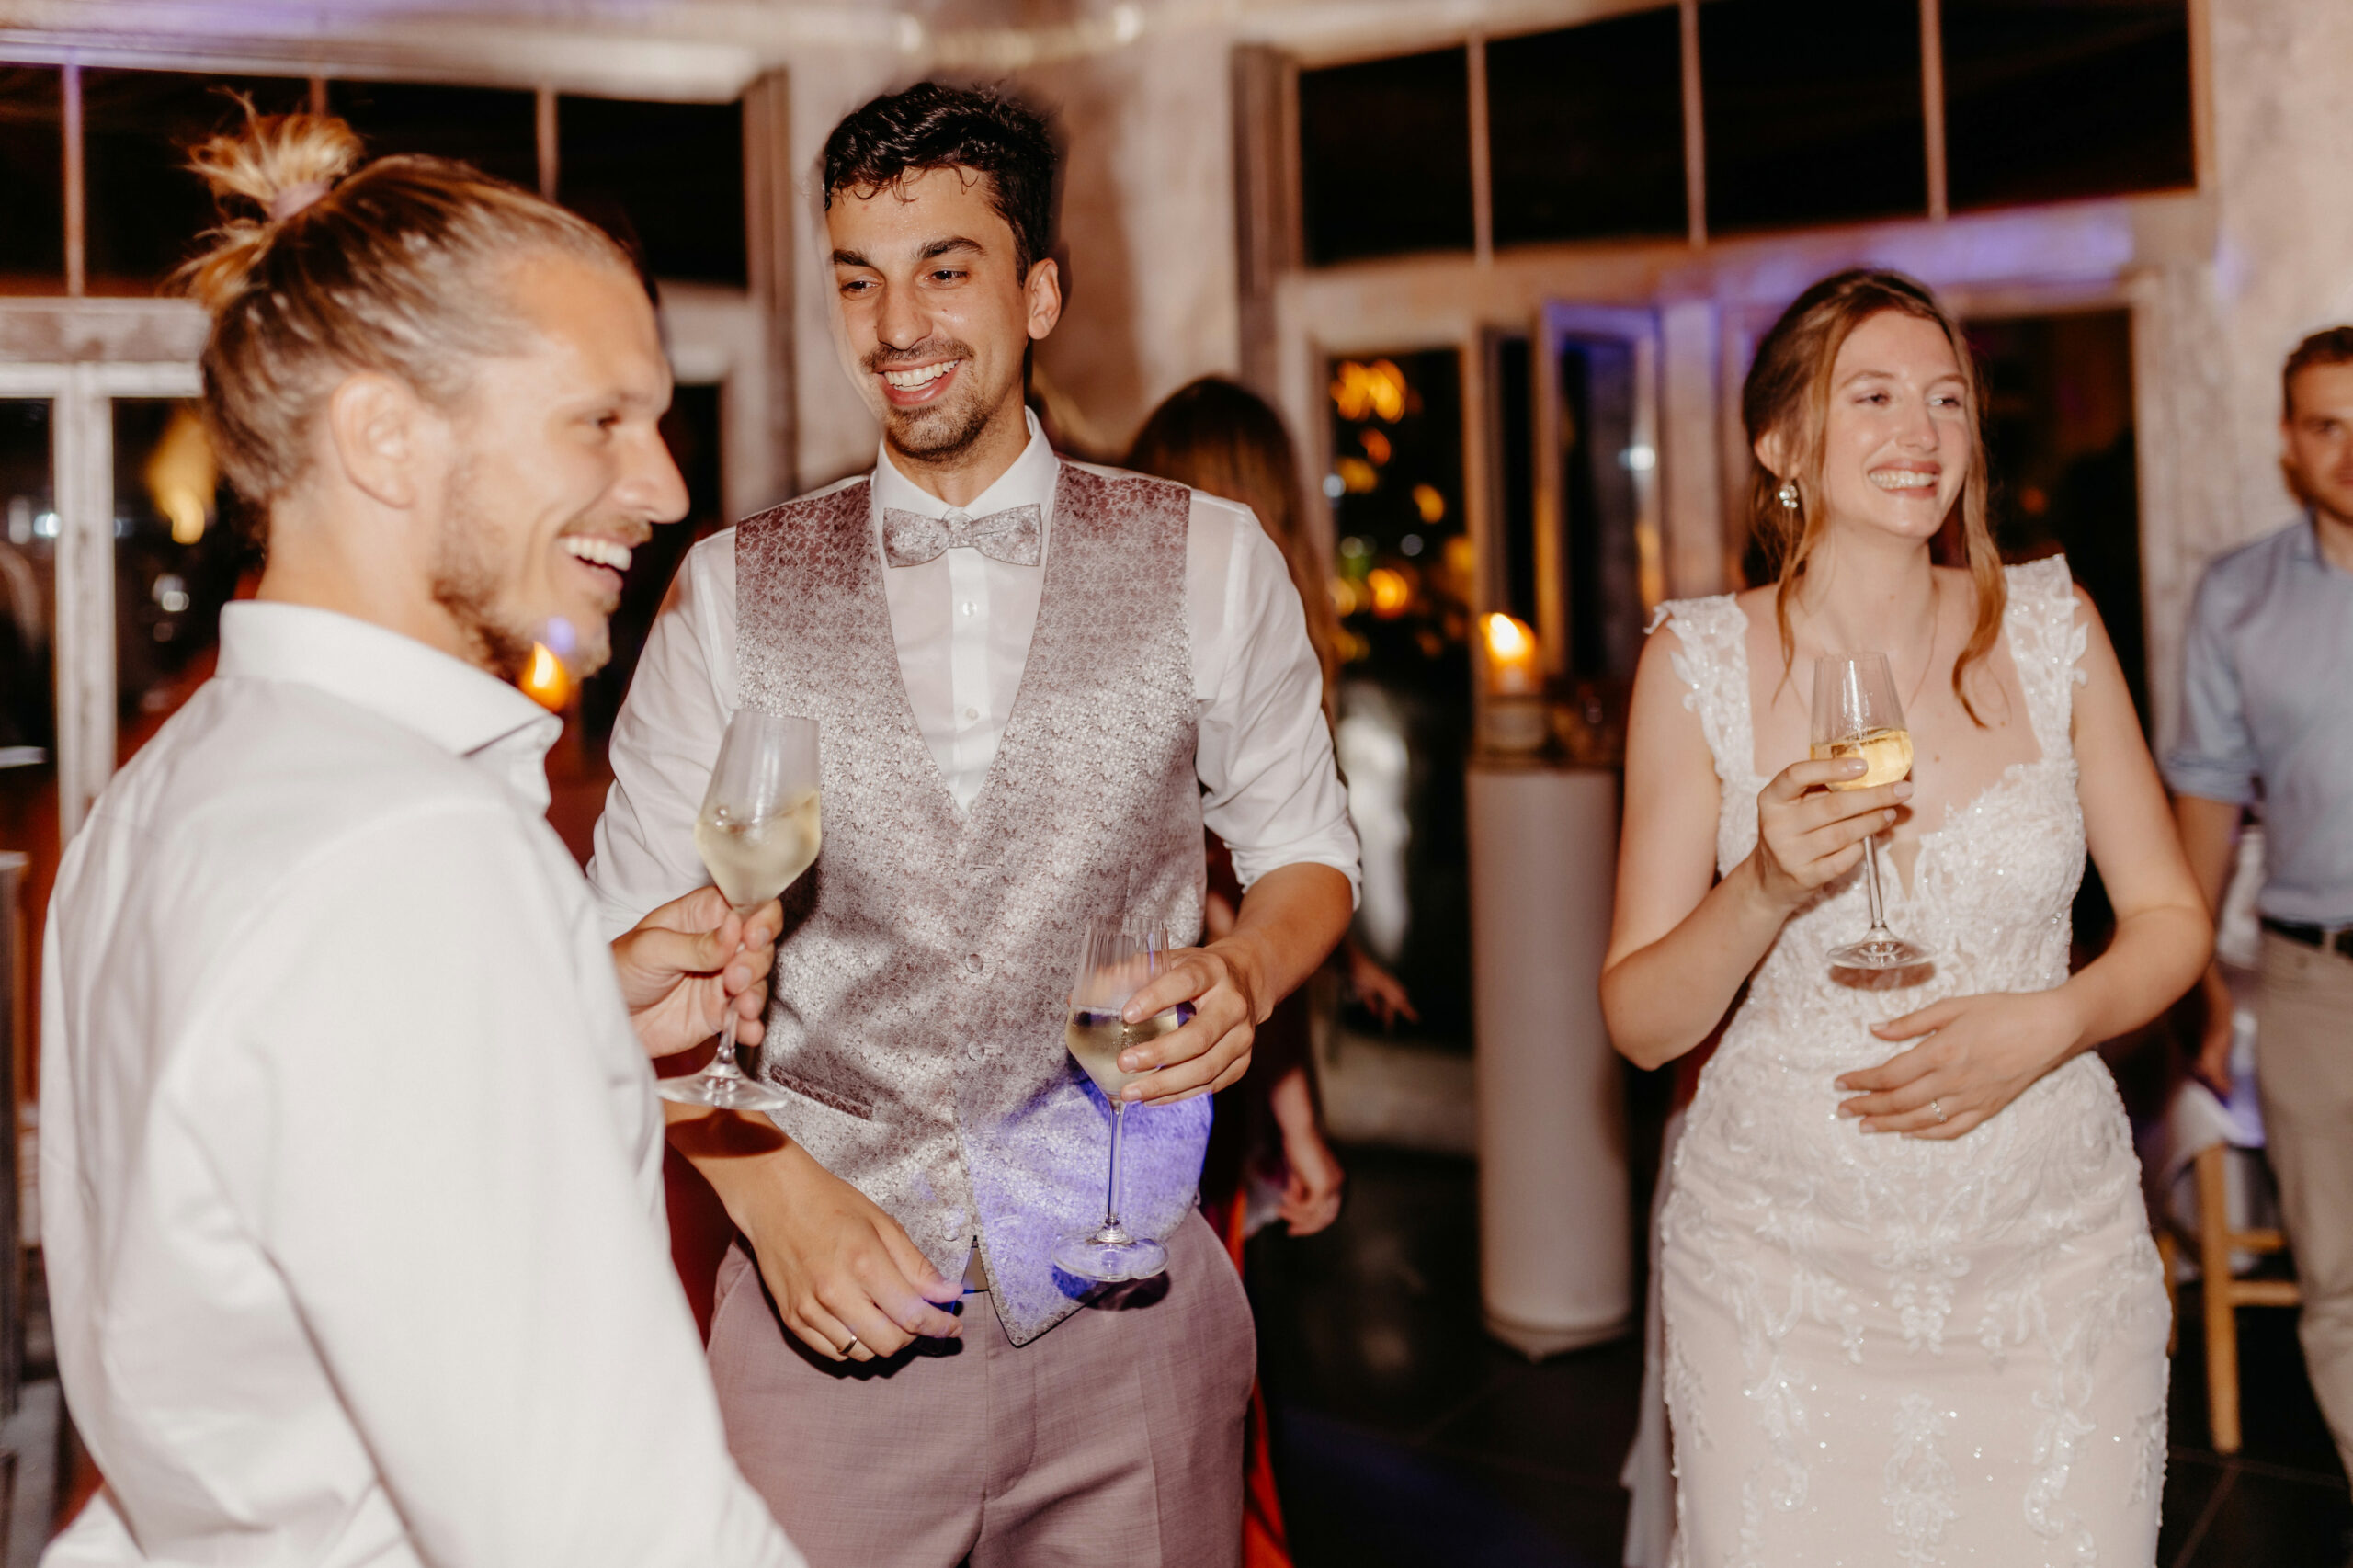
[{"x": 1788, "y": 390}]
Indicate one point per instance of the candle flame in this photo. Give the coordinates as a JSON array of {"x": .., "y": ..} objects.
[
  {"x": 545, "y": 680},
  {"x": 182, "y": 476},
  {"x": 1509, "y": 640}
]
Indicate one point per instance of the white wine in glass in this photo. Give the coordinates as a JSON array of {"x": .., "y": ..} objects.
[
  {"x": 756, "y": 833},
  {"x": 1855, "y": 714},
  {"x": 1113, "y": 965}
]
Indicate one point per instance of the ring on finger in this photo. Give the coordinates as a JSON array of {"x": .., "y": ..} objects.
[
  {"x": 1938, "y": 1112},
  {"x": 851, "y": 1345}
]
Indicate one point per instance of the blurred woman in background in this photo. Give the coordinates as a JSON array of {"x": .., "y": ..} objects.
[{"x": 1267, "y": 1157}]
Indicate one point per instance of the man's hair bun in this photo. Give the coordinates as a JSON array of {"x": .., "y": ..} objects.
[{"x": 281, "y": 163}]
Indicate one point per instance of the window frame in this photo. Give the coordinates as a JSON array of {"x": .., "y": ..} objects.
[{"x": 80, "y": 351}]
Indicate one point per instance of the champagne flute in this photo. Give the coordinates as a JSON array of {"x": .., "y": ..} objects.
[
  {"x": 758, "y": 831},
  {"x": 1855, "y": 714},
  {"x": 1113, "y": 965}
]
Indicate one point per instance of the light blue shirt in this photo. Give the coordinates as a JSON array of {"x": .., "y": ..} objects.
[{"x": 2268, "y": 715}]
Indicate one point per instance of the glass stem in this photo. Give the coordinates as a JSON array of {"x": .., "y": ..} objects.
[
  {"x": 1111, "y": 1188},
  {"x": 1870, "y": 884},
  {"x": 724, "y": 1062}
]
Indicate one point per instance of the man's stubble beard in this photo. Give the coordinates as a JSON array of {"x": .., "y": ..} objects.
[
  {"x": 940, "y": 433},
  {"x": 465, "y": 582}
]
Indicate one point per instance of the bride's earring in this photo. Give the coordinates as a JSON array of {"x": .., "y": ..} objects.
[{"x": 1788, "y": 495}]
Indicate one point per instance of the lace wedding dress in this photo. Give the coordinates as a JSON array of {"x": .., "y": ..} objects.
[{"x": 1883, "y": 1350}]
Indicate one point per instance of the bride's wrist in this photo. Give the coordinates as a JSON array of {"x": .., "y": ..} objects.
[{"x": 1757, "y": 894}]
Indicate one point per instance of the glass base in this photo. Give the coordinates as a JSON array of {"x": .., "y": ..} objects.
[
  {"x": 1110, "y": 1255},
  {"x": 727, "y": 1091},
  {"x": 1880, "y": 949}
]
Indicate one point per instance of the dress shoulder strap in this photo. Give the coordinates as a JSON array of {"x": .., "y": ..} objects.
[
  {"x": 1713, "y": 663},
  {"x": 2047, "y": 642}
]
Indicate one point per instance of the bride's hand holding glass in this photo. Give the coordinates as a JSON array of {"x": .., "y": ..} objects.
[
  {"x": 1809, "y": 833},
  {"x": 1974, "y": 1055}
]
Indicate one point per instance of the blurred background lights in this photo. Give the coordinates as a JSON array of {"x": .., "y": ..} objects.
[
  {"x": 1392, "y": 591},
  {"x": 1358, "y": 477},
  {"x": 1431, "y": 505},
  {"x": 1369, "y": 391}
]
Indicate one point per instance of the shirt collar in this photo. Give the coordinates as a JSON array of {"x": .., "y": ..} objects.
[
  {"x": 1029, "y": 483},
  {"x": 446, "y": 701}
]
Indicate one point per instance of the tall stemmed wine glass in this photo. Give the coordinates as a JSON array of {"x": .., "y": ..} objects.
[
  {"x": 758, "y": 831},
  {"x": 1855, "y": 714},
  {"x": 1113, "y": 965}
]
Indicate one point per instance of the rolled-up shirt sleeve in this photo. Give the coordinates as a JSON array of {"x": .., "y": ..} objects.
[
  {"x": 1264, "y": 752},
  {"x": 2215, "y": 757},
  {"x": 666, "y": 741}
]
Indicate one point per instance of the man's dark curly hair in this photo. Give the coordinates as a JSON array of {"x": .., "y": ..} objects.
[{"x": 932, "y": 126}]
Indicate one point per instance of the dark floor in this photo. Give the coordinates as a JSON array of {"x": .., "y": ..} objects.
[{"x": 1406, "y": 1438}]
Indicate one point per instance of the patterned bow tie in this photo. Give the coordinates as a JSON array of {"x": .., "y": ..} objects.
[{"x": 1012, "y": 536}]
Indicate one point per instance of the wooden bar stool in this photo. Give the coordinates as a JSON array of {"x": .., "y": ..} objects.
[{"x": 2225, "y": 1293}]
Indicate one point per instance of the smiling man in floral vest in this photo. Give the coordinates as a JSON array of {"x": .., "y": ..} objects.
[{"x": 1035, "y": 680}]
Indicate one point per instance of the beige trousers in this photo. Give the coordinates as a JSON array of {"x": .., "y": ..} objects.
[
  {"x": 1115, "y": 1438},
  {"x": 2304, "y": 1067}
]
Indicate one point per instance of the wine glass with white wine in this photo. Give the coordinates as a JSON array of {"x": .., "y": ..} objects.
[
  {"x": 1855, "y": 714},
  {"x": 756, "y": 832},
  {"x": 1113, "y": 965}
]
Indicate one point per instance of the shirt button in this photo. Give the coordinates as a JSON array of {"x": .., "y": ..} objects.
[
  {"x": 969, "y": 606},
  {"x": 972, "y": 713},
  {"x": 974, "y": 963}
]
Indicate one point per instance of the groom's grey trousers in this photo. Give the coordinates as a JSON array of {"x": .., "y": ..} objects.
[{"x": 1115, "y": 1438}]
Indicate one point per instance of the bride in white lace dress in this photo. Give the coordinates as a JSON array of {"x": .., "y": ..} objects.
[{"x": 1913, "y": 1314}]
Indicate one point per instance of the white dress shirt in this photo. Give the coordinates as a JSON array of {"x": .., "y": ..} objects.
[
  {"x": 350, "y": 1161},
  {"x": 961, "y": 623}
]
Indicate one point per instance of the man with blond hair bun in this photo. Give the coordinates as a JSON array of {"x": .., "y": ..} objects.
[{"x": 350, "y": 1152}]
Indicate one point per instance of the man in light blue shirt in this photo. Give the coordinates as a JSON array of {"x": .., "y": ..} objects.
[{"x": 2268, "y": 724}]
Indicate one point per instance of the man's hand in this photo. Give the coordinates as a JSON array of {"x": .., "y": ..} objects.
[
  {"x": 846, "y": 1277},
  {"x": 1212, "y": 1049},
  {"x": 680, "y": 967}
]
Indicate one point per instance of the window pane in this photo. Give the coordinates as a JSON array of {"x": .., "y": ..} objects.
[
  {"x": 670, "y": 174},
  {"x": 1405, "y": 589},
  {"x": 2059, "y": 438},
  {"x": 2048, "y": 99},
  {"x": 1813, "y": 111},
  {"x": 180, "y": 544},
  {"x": 32, "y": 181},
  {"x": 495, "y": 130},
  {"x": 28, "y": 603},
  {"x": 1586, "y": 129},
  {"x": 146, "y": 210},
  {"x": 1515, "y": 439},
  {"x": 1600, "y": 507},
  {"x": 1384, "y": 156}
]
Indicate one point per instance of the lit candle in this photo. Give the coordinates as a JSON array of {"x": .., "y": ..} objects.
[
  {"x": 1512, "y": 665},
  {"x": 546, "y": 680}
]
